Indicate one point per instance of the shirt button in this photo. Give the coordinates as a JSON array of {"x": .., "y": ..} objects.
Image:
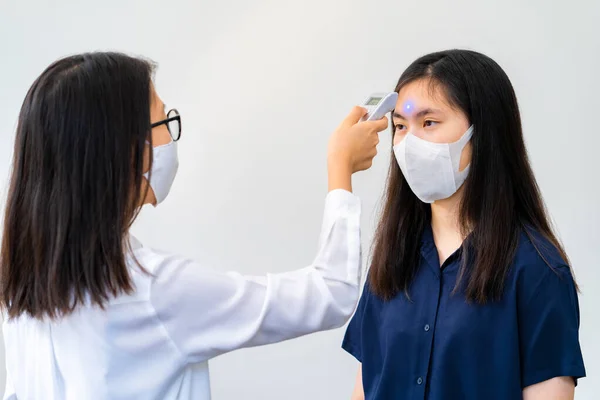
[
  {"x": 420, "y": 381},
  {"x": 426, "y": 328}
]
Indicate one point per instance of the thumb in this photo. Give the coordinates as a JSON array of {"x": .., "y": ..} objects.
[{"x": 355, "y": 115}]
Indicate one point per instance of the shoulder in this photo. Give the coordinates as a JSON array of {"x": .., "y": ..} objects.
[
  {"x": 536, "y": 254},
  {"x": 154, "y": 261},
  {"x": 536, "y": 249},
  {"x": 155, "y": 270},
  {"x": 171, "y": 278},
  {"x": 539, "y": 265}
]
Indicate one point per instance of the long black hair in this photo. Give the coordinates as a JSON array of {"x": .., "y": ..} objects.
[
  {"x": 75, "y": 184},
  {"x": 501, "y": 197}
]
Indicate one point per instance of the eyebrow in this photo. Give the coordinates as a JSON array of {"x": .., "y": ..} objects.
[{"x": 421, "y": 113}]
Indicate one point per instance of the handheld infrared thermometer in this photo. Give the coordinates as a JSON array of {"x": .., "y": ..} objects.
[{"x": 379, "y": 104}]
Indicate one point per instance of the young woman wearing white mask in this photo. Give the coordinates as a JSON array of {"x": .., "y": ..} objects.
[
  {"x": 92, "y": 314},
  {"x": 469, "y": 293}
]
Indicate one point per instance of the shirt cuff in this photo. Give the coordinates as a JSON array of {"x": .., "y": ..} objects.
[
  {"x": 339, "y": 204},
  {"x": 576, "y": 372},
  {"x": 341, "y": 200}
]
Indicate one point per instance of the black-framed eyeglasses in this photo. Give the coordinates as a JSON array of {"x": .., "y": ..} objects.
[{"x": 173, "y": 122}]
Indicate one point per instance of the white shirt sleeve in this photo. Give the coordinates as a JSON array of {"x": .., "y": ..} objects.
[{"x": 207, "y": 312}]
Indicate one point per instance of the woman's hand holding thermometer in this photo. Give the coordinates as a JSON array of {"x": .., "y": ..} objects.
[{"x": 352, "y": 147}]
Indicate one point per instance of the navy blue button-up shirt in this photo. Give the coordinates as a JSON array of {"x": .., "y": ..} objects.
[{"x": 438, "y": 346}]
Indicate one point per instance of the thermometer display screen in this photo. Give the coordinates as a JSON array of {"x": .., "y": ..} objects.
[{"x": 373, "y": 101}]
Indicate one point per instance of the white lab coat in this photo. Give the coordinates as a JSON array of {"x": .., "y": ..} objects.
[{"x": 155, "y": 343}]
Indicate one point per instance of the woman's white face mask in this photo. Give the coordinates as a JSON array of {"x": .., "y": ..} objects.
[
  {"x": 164, "y": 169},
  {"x": 432, "y": 169}
]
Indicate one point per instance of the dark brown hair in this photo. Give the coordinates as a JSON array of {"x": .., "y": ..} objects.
[
  {"x": 501, "y": 197},
  {"x": 75, "y": 185}
]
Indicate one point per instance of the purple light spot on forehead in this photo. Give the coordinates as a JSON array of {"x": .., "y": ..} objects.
[{"x": 408, "y": 107}]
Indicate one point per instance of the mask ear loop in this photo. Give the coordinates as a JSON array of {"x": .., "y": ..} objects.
[
  {"x": 465, "y": 137},
  {"x": 146, "y": 174},
  {"x": 456, "y": 150}
]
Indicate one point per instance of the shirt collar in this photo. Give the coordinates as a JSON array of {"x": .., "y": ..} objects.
[
  {"x": 430, "y": 254},
  {"x": 134, "y": 243}
]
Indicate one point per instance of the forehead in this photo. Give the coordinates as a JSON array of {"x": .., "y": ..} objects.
[
  {"x": 156, "y": 103},
  {"x": 154, "y": 97},
  {"x": 421, "y": 94}
]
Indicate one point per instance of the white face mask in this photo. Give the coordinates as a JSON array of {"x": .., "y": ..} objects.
[
  {"x": 164, "y": 168},
  {"x": 431, "y": 169}
]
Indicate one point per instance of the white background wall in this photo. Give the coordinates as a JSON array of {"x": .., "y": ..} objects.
[{"x": 261, "y": 84}]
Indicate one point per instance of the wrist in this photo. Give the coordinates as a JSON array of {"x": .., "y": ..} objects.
[
  {"x": 339, "y": 176},
  {"x": 339, "y": 161}
]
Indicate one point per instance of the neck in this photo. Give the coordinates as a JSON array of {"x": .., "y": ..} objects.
[
  {"x": 445, "y": 224},
  {"x": 445, "y": 215}
]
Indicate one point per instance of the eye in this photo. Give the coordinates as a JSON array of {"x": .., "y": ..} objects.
[
  {"x": 429, "y": 123},
  {"x": 398, "y": 127}
]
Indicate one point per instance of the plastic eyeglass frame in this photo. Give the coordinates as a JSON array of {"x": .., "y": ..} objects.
[{"x": 166, "y": 121}]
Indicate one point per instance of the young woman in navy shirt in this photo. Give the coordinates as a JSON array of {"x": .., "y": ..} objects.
[{"x": 469, "y": 294}]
